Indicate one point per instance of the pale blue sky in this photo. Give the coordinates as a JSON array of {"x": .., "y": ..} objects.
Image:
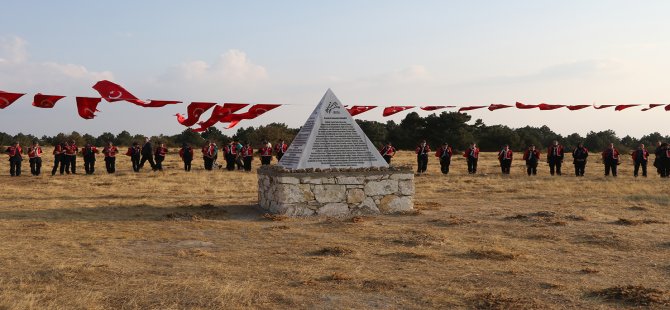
[{"x": 368, "y": 52}]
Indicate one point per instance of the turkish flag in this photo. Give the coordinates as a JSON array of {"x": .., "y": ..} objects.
[
  {"x": 651, "y": 106},
  {"x": 87, "y": 106},
  {"x": 157, "y": 103},
  {"x": 473, "y": 107},
  {"x": 624, "y": 106},
  {"x": 602, "y": 106},
  {"x": 114, "y": 92},
  {"x": 436, "y": 107},
  {"x": 46, "y": 101},
  {"x": 578, "y": 107},
  {"x": 254, "y": 111},
  {"x": 219, "y": 113},
  {"x": 358, "y": 109},
  {"x": 546, "y": 107},
  {"x": 520, "y": 105},
  {"x": 8, "y": 98},
  {"x": 194, "y": 111},
  {"x": 498, "y": 106},
  {"x": 393, "y": 110}
]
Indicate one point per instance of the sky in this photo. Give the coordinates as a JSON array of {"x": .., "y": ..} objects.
[{"x": 368, "y": 52}]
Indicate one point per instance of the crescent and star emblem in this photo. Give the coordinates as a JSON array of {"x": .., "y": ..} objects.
[
  {"x": 4, "y": 102},
  {"x": 117, "y": 96}
]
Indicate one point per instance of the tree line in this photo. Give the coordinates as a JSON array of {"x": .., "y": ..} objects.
[{"x": 451, "y": 127}]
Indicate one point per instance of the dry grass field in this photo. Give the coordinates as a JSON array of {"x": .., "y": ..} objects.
[{"x": 174, "y": 240}]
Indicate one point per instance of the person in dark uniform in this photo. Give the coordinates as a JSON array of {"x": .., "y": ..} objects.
[
  {"x": 640, "y": 158},
  {"x": 110, "y": 152},
  {"x": 555, "y": 156},
  {"x": 208, "y": 155},
  {"x": 472, "y": 157},
  {"x": 532, "y": 157},
  {"x": 280, "y": 149},
  {"x": 88, "y": 152},
  {"x": 266, "y": 153},
  {"x": 248, "y": 156},
  {"x": 388, "y": 151},
  {"x": 35, "y": 158},
  {"x": 239, "y": 159},
  {"x": 58, "y": 159},
  {"x": 147, "y": 155},
  {"x": 579, "y": 155},
  {"x": 505, "y": 158},
  {"x": 665, "y": 160},
  {"x": 422, "y": 157},
  {"x": 186, "y": 154},
  {"x": 444, "y": 154},
  {"x": 15, "y": 159},
  {"x": 659, "y": 158},
  {"x": 611, "y": 160},
  {"x": 135, "y": 152},
  {"x": 160, "y": 153},
  {"x": 71, "y": 157}
]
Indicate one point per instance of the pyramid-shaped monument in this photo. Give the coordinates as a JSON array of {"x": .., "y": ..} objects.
[{"x": 331, "y": 139}]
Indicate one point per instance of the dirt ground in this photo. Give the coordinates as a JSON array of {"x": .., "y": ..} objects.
[{"x": 174, "y": 240}]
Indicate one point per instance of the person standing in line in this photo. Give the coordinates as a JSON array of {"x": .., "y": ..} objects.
[
  {"x": 135, "y": 152},
  {"x": 110, "y": 152},
  {"x": 266, "y": 153},
  {"x": 71, "y": 156},
  {"x": 422, "y": 152},
  {"x": 640, "y": 158},
  {"x": 65, "y": 164},
  {"x": 579, "y": 155},
  {"x": 472, "y": 157},
  {"x": 248, "y": 154},
  {"x": 14, "y": 151},
  {"x": 444, "y": 154},
  {"x": 239, "y": 160},
  {"x": 280, "y": 149},
  {"x": 388, "y": 151},
  {"x": 231, "y": 156},
  {"x": 186, "y": 154},
  {"x": 665, "y": 160},
  {"x": 208, "y": 155},
  {"x": 555, "y": 156},
  {"x": 611, "y": 160},
  {"x": 505, "y": 158},
  {"x": 58, "y": 158},
  {"x": 35, "y": 158},
  {"x": 659, "y": 158},
  {"x": 160, "y": 153},
  {"x": 532, "y": 157},
  {"x": 147, "y": 155},
  {"x": 88, "y": 153}
]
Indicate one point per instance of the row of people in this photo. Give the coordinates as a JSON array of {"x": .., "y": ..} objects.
[
  {"x": 65, "y": 156},
  {"x": 554, "y": 157}
]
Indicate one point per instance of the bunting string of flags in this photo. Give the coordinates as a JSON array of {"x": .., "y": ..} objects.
[{"x": 227, "y": 113}]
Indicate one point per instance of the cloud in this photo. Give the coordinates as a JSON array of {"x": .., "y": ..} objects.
[
  {"x": 232, "y": 67},
  {"x": 18, "y": 71}
]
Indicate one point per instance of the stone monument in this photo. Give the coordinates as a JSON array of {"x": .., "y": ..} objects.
[{"x": 331, "y": 168}]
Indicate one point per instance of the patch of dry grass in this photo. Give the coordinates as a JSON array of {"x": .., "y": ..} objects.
[
  {"x": 634, "y": 295},
  {"x": 176, "y": 240}
]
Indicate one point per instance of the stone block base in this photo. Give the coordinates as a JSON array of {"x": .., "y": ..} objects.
[{"x": 335, "y": 193}]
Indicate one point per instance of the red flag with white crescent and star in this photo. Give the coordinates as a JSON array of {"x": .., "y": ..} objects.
[
  {"x": 520, "y": 105},
  {"x": 494, "y": 107},
  {"x": 8, "y": 98},
  {"x": 358, "y": 109},
  {"x": 547, "y": 107},
  {"x": 470, "y": 108},
  {"x": 396, "y": 109},
  {"x": 194, "y": 111},
  {"x": 46, "y": 101},
  {"x": 114, "y": 92},
  {"x": 578, "y": 107},
  {"x": 254, "y": 111},
  {"x": 218, "y": 115},
  {"x": 604, "y": 106},
  {"x": 651, "y": 106},
  {"x": 436, "y": 107},
  {"x": 87, "y": 106},
  {"x": 157, "y": 103},
  {"x": 622, "y": 107}
]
